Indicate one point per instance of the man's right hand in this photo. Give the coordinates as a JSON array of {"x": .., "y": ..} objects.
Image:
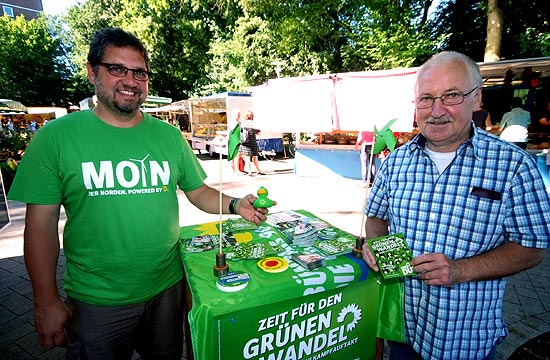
[
  {"x": 369, "y": 257},
  {"x": 50, "y": 322}
]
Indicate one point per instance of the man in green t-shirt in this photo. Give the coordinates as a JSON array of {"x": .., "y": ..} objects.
[{"x": 115, "y": 170}]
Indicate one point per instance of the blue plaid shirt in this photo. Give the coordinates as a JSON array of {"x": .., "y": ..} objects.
[{"x": 491, "y": 193}]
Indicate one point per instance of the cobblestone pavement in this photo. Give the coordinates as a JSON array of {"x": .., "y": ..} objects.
[{"x": 334, "y": 199}]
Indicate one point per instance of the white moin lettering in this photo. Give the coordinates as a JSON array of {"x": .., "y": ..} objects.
[{"x": 125, "y": 174}]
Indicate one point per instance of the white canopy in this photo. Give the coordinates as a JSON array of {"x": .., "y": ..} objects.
[{"x": 323, "y": 103}]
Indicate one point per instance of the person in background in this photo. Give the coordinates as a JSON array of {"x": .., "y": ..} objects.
[
  {"x": 365, "y": 141},
  {"x": 544, "y": 117},
  {"x": 115, "y": 170},
  {"x": 514, "y": 124},
  {"x": 235, "y": 162},
  {"x": 482, "y": 118},
  {"x": 250, "y": 147},
  {"x": 535, "y": 92},
  {"x": 473, "y": 209}
]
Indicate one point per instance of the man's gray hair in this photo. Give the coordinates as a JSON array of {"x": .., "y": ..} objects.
[{"x": 446, "y": 57}]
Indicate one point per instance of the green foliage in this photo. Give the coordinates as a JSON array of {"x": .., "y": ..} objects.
[
  {"x": 463, "y": 24},
  {"x": 176, "y": 34},
  {"x": 199, "y": 47},
  {"x": 315, "y": 37},
  {"x": 241, "y": 60},
  {"x": 534, "y": 42},
  {"x": 33, "y": 69},
  {"x": 84, "y": 20}
]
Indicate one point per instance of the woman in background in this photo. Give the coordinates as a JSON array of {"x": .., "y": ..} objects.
[{"x": 250, "y": 147}]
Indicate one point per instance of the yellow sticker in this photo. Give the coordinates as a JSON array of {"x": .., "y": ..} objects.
[{"x": 273, "y": 264}]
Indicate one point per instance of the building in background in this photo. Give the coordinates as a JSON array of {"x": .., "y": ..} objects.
[{"x": 30, "y": 9}]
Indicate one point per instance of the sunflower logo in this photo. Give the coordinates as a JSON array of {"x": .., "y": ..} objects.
[{"x": 350, "y": 309}]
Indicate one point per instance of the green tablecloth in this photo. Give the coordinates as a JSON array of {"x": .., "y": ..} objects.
[{"x": 330, "y": 312}]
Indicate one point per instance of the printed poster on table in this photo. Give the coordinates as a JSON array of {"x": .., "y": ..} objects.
[{"x": 335, "y": 324}]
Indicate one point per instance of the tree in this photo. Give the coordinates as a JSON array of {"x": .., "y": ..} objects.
[
  {"x": 176, "y": 34},
  {"x": 316, "y": 37},
  {"x": 83, "y": 21},
  {"x": 494, "y": 31},
  {"x": 33, "y": 70},
  {"x": 526, "y": 29},
  {"x": 471, "y": 27},
  {"x": 200, "y": 47},
  {"x": 462, "y": 25}
]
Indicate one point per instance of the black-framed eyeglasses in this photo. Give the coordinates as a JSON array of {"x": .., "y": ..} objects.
[
  {"x": 449, "y": 99},
  {"x": 122, "y": 71}
]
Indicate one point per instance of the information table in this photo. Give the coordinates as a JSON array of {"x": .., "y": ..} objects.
[{"x": 327, "y": 313}]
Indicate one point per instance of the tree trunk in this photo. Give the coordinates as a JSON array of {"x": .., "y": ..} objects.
[{"x": 494, "y": 31}]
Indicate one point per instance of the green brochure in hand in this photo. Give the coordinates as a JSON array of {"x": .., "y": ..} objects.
[{"x": 392, "y": 255}]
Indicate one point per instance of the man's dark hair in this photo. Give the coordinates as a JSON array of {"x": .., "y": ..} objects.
[
  {"x": 116, "y": 37},
  {"x": 517, "y": 102}
]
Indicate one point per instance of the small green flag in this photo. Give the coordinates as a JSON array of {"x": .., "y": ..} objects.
[{"x": 233, "y": 142}]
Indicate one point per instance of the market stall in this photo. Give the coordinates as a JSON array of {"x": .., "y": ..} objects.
[
  {"x": 332, "y": 104},
  {"x": 335, "y": 107},
  {"x": 176, "y": 113},
  {"x": 212, "y": 117},
  {"x": 286, "y": 310}
]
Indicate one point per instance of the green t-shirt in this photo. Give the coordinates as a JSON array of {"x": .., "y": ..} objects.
[{"x": 118, "y": 187}]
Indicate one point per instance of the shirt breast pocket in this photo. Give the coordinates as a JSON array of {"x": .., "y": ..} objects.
[{"x": 486, "y": 193}]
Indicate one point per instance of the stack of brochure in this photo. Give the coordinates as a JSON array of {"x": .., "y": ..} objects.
[
  {"x": 309, "y": 261},
  {"x": 303, "y": 234}
]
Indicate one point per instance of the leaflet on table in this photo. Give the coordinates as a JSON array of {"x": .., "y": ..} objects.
[
  {"x": 288, "y": 219},
  {"x": 392, "y": 255},
  {"x": 237, "y": 225},
  {"x": 342, "y": 244},
  {"x": 202, "y": 243},
  {"x": 247, "y": 250}
]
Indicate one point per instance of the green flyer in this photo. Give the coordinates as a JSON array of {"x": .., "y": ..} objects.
[{"x": 392, "y": 255}]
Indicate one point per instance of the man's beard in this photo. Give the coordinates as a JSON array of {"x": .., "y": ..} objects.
[{"x": 123, "y": 108}]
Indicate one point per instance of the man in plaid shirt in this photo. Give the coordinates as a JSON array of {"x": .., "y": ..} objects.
[{"x": 473, "y": 209}]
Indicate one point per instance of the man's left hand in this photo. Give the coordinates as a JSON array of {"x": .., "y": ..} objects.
[{"x": 246, "y": 210}]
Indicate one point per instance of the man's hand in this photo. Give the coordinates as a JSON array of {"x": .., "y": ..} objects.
[
  {"x": 437, "y": 269},
  {"x": 50, "y": 322},
  {"x": 369, "y": 258},
  {"x": 246, "y": 210}
]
